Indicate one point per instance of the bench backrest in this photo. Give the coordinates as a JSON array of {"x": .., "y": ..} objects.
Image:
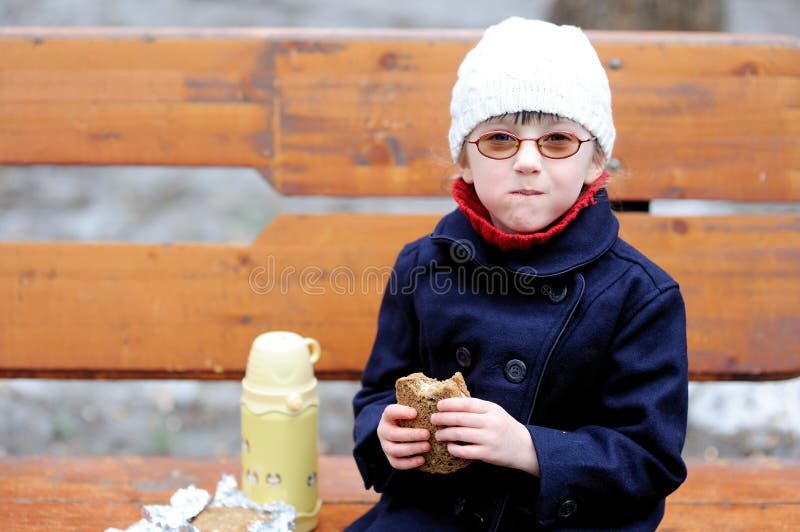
[{"x": 365, "y": 113}]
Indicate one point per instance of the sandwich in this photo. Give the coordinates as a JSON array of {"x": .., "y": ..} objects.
[{"x": 423, "y": 393}]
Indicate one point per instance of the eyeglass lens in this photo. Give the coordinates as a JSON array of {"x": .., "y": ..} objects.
[{"x": 502, "y": 145}]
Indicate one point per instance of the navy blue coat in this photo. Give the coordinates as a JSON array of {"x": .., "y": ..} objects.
[{"x": 581, "y": 339}]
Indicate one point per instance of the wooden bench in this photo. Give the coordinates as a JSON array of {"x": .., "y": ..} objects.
[{"x": 364, "y": 113}]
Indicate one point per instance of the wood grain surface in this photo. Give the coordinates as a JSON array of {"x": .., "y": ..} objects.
[
  {"x": 93, "y": 493},
  {"x": 366, "y": 113},
  {"x": 192, "y": 310}
]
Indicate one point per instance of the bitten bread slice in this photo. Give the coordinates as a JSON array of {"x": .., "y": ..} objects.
[{"x": 422, "y": 393}]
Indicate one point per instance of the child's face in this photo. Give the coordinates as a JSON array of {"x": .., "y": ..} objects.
[{"x": 527, "y": 192}]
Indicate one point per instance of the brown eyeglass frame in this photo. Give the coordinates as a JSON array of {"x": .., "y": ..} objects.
[{"x": 520, "y": 140}]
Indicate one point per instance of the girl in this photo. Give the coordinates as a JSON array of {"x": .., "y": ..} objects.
[{"x": 572, "y": 343}]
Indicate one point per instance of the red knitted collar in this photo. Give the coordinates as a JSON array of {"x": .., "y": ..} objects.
[{"x": 478, "y": 216}]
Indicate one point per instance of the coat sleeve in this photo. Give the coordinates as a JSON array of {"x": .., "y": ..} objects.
[
  {"x": 395, "y": 353},
  {"x": 631, "y": 457}
]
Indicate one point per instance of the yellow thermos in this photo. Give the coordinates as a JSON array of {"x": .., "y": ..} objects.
[{"x": 280, "y": 411}]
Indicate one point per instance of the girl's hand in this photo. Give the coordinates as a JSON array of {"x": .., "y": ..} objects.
[
  {"x": 403, "y": 446},
  {"x": 485, "y": 431}
]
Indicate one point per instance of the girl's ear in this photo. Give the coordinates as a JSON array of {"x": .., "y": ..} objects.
[
  {"x": 466, "y": 174},
  {"x": 463, "y": 166},
  {"x": 594, "y": 171}
]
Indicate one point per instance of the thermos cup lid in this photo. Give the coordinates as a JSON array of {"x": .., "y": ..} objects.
[{"x": 280, "y": 374}]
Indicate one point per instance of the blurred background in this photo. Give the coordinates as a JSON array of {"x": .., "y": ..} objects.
[{"x": 232, "y": 205}]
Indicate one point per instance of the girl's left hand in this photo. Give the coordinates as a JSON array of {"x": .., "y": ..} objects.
[{"x": 482, "y": 430}]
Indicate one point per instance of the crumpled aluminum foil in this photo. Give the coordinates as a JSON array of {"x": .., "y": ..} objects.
[
  {"x": 187, "y": 503},
  {"x": 280, "y": 515}
]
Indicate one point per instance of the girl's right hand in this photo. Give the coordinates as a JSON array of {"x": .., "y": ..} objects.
[{"x": 403, "y": 446}]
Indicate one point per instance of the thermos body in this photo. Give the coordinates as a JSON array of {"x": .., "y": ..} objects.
[
  {"x": 279, "y": 422},
  {"x": 280, "y": 467}
]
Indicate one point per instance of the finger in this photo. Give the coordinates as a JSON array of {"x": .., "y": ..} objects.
[
  {"x": 469, "y": 452},
  {"x": 401, "y": 434},
  {"x": 398, "y": 411},
  {"x": 456, "y": 418},
  {"x": 388, "y": 429},
  {"x": 407, "y": 450},
  {"x": 462, "y": 404},
  {"x": 407, "y": 463},
  {"x": 461, "y": 434}
]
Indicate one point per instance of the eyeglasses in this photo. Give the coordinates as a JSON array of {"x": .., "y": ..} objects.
[{"x": 553, "y": 145}]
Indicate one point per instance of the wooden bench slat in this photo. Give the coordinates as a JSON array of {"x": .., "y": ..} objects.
[
  {"x": 71, "y": 516},
  {"x": 739, "y": 276},
  {"x": 373, "y": 113},
  {"x": 730, "y": 517},
  {"x": 187, "y": 311},
  {"x": 757, "y": 481},
  {"x": 207, "y": 134},
  {"x": 92, "y": 493},
  {"x": 192, "y": 310}
]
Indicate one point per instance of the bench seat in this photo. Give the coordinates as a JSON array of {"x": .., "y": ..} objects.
[{"x": 92, "y": 493}]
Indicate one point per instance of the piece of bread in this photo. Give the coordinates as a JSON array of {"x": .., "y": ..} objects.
[
  {"x": 422, "y": 393},
  {"x": 223, "y": 519}
]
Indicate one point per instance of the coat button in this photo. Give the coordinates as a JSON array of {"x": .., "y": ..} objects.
[
  {"x": 515, "y": 370},
  {"x": 463, "y": 357},
  {"x": 567, "y": 509}
]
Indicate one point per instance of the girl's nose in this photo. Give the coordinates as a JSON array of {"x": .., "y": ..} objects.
[{"x": 528, "y": 159}]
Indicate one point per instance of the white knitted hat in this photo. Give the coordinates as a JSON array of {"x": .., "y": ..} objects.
[{"x": 532, "y": 65}]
